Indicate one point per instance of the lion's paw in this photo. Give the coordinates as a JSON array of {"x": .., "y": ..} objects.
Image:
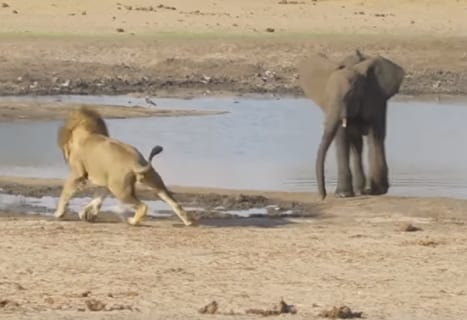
[
  {"x": 191, "y": 223},
  {"x": 132, "y": 221},
  {"x": 88, "y": 214},
  {"x": 58, "y": 214}
]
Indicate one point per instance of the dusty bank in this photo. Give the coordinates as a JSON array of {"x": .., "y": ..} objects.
[{"x": 214, "y": 47}]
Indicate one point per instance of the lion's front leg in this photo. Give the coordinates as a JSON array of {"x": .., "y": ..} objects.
[{"x": 69, "y": 188}]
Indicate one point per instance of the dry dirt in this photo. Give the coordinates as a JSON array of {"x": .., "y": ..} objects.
[
  {"x": 186, "y": 48},
  {"x": 340, "y": 252},
  {"x": 352, "y": 252}
]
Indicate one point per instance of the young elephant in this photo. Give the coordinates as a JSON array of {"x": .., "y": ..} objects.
[
  {"x": 353, "y": 95},
  {"x": 93, "y": 156}
]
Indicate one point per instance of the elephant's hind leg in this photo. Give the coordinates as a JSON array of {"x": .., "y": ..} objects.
[{"x": 344, "y": 175}]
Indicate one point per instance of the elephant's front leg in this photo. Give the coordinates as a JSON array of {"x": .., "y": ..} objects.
[
  {"x": 356, "y": 151},
  {"x": 378, "y": 182},
  {"x": 344, "y": 176}
]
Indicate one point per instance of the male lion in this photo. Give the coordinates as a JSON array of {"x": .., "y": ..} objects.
[{"x": 93, "y": 156}]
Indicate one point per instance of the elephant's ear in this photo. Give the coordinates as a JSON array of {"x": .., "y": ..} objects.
[
  {"x": 386, "y": 75},
  {"x": 314, "y": 72}
]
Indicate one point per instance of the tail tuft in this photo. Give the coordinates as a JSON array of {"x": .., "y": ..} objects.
[{"x": 155, "y": 151}]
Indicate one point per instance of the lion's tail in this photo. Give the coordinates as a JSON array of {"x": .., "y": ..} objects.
[{"x": 155, "y": 151}]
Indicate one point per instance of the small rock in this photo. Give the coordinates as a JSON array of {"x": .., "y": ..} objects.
[
  {"x": 95, "y": 305},
  {"x": 86, "y": 294},
  {"x": 206, "y": 79},
  {"x": 5, "y": 5},
  {"x": 427, "y": 243},
  {"x": 342, "y": 312},
  {"x": 270, "y": 30},
  {"x": 15, "y": 11},
  {"x": 83, "y": 13},
  {"x": 277, "y": 309},
  {"x": 283, "y": 307},
  {"x": 5, "y": 303},
  {"x": 408, "y": 227},
  {"x": 119, "y": 307},
  {"x": 120, "y": 30},
  {"x": 210, "y": 308},
  {"x": 49, "y": 300}
]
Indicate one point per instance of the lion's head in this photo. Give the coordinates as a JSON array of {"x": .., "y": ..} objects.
[{"x": 84, "y": 118}]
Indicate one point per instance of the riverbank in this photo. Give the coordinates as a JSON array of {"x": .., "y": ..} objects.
[
  {"x": 216, "y": 48},
  {"x": 359, "y": 252}
]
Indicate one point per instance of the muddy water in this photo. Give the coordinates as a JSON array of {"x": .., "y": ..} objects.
[
  {"x": 46, "y": 205},
  {"x": 267, "y": 144}
]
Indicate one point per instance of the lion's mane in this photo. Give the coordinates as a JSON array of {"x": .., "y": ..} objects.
[{"x": 85, "y": 118}]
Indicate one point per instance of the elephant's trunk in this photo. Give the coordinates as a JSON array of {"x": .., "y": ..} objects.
[{"x": 326, "y": 140}]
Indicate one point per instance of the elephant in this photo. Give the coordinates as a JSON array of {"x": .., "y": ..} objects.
[{"x": 353, "y": 95}]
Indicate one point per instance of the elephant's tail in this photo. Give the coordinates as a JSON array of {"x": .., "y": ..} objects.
[{"x": 326, "y": 140}]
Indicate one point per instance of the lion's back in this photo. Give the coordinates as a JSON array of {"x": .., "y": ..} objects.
[{"x": 111, "y": 154}]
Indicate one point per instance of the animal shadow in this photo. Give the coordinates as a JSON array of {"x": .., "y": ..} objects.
[{"x": 258, "y": 222}]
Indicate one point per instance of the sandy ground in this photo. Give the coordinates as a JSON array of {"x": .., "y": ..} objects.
[
  {"x": 221, "y": 47},
  {"x": 341, "y": 251},
  {"x": 35, "y": 110}
]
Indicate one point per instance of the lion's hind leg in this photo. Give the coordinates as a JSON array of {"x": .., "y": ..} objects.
[
  {"x": 125, "y": 192},
  {"x": 91, "y": 210},
  {"x": 186, "y": 218},
  {"x": 153, "y": 180}
]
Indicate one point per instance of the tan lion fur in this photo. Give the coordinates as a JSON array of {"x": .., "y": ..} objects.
[{"x": 92, "y": 155}]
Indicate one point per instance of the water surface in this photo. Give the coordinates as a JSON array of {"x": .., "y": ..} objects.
[{"x": 266, "y": 144}]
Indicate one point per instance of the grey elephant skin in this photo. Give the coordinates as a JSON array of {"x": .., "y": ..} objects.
[{"x": 353, "y": 95}]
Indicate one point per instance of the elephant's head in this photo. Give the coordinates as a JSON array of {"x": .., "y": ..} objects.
[
  {"x": 382, "y": 75},
  {"x": 340, "y": 88}
]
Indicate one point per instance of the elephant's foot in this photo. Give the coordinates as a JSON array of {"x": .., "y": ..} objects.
[
  {"x": 375, "y": 190},
  {"x": 359, "y": 193},
  {"x": 344, "y": 193}
]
